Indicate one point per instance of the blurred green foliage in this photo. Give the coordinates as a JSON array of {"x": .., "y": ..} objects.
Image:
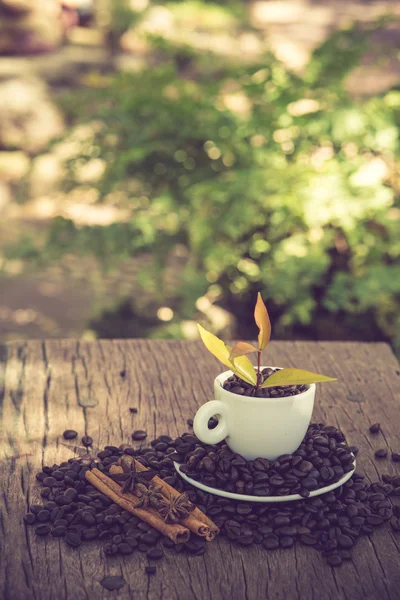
[{"x": 269, "y": 181}]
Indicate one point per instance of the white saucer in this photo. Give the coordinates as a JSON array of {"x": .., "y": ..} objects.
[{"x": 247, "y": 498}]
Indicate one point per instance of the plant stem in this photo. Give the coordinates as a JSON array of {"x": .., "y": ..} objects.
[{"x": 258, "y": 369}]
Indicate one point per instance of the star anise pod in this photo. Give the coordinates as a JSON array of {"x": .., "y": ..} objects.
[
  {"x": 148, "y": 497},
  {"x": 130, "y": 477},
  {"x": 175, "y": 508}
]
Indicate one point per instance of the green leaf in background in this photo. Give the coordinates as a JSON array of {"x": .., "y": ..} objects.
[{"x": 294, "y": 377}]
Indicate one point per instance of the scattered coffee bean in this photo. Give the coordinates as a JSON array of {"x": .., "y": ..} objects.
[
  {"x": 150, "y": 570},
  {"x": 139, "y": 435},
  {"x": 70, "y": 434},
  {"x": 375, "y": 428},
  {"x": 381, "y": 453},
  {"x": 395, "y": 457},
  {"x": 114, "y": 582},
  {"x": 190, "y": 422},
  {"x": 43, "y": 529},
  {"x": 330, "y": 523},
  {"x": 87, "y": 440},
  {"x": 133, "y": 410},
  {"x": 30, "y": 519},
  {"x": 155, "y": 554},
  {"x": 122, "y": 373}
]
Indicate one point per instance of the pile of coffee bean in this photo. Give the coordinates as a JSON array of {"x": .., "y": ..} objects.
[
  {"x": 77, "y": 513},
  {"x": 322, "y": 459},
  {"x": 236, "y": 385}
]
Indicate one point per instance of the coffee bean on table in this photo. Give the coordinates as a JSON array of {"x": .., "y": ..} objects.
[
  {"x": 114, "y": 582},
  {"x": 155, "y": 553},
  {"x": 133, "y": 410},
  {"x": 43, "y": 516},
  {"x": 58, "y": 531},
  {"x": 139, "y": 435},
  {"x": 395, "y": 456},
  {"x": 73, "y": 539},
  {"x": 87, "y": 440},
  {"x": 381, "y": 453},
  {"x": 70, "y": 434},
  {"x": 375, "y": 428},
  {"x": 30, "y": 518},
  {"x": 334, "y": 560},
  {"x": 43, "y": 529},
  {"x": 150, "y": 570}
]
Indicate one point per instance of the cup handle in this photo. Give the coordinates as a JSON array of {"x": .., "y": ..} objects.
[{"x": 200, "y": 423}]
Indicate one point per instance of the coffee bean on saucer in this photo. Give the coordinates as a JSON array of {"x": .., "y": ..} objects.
[
  {"x": 375, "y": 428},
  {"x": 381, "y": 453},
  {"x": 87, "y": 440},
  {"x": 139, "y": 435},
  {"x": 70, "y": 434}
]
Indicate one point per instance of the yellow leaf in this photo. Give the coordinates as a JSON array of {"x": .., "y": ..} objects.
[
  {"x": 216, "y": 346},
  {"x": 262, "y": 319},
  {"x": 242, "y": 348},
  {"x": 241, "y": 366},
  {"x": 294, "y": 377},
  {"x": 244, "y": 369}
]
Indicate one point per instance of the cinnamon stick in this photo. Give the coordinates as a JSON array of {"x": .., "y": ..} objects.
[
  {"x": 177, "y": 533},
  {"x": 168, "y": 490},
  {"x": 191, "y": 522}
]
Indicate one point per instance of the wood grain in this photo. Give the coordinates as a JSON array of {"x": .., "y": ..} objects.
[{"x": 47, "y": 387}]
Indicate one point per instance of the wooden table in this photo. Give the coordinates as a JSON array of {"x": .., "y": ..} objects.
[{"x": 48, "y": 387}]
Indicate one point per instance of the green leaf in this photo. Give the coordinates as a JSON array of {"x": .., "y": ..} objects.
[
  {"x": 262, "y": 319},
  {"x": 244, "y": 369},
  {"x": 216, "y": 346},
  {"x": 241, "y": 366},
  {"x": 242, "y": 348},
  {"x": 295, "y": 377}
]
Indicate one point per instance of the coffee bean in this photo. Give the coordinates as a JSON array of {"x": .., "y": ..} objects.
[
  {"x": 334, "y": 560},
  {"x": 139, "y": 435},
  {"x": 110, "y": 549},
  {"x": 87, "y": 440},
  {"x": 308, "y": 540},
  {"x": 114, "y": 582},
  {"x": 286, "y": 542},
  {"x": 271, "y": 543},
  {"x": 125, "y": 548},
  {"x": 43, "y": 529},
  {"x": 395, "y": 456},
  {"x": 375, "y": 428},
  {"x": 73, "y": 539},
  {"x": 150, "y": 570},
  {"x": 190, "y": 422},
  {"x": 59, "y": 531},
  {"x": 381, "y": 453},
  {"x": 30, "y": 518},
  {"x": 43, "y": 516},
  {"x": 70, "y": 434},
  {"x": 155, "y": 553},
  {"x": 345, "y": 541}
]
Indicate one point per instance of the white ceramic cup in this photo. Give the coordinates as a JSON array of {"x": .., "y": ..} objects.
[{"x": 255, "y": 427}]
